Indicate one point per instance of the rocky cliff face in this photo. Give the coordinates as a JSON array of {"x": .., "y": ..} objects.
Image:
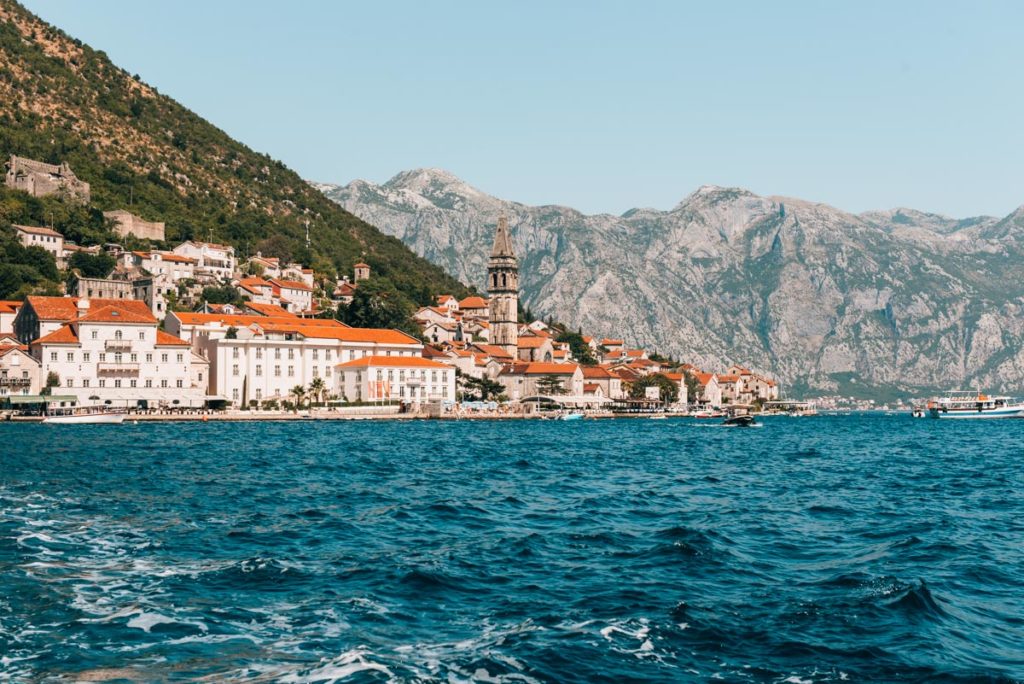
[{"x": 883, "y": 303}]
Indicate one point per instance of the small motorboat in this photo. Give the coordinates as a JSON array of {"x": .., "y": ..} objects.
[
  {"x": 571, "y": 416},
  {"x": 86, "y": 415},
  {"x": 740, "y": 421}
]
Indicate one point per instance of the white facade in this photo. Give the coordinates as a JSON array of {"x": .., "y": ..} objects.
[
  {"x": 19, "y": 372},
  {"x": 50, "y": 240},
  {"x": 411, "y": 379},
  {"x": 212, "y": 260},
  {"x": 112, "y": 355}
]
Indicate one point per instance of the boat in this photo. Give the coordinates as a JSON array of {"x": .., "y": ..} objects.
[
  {"x": 658, "y": 417},
  {"x": 98, "y": 417},
  {"x": 973, "y": 404},
  {"x": 740, "y": 421},
  {"x": 571, "y": 416},
  {"x": 86, "y": 415}
]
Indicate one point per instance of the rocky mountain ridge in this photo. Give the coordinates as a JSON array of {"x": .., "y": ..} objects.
[{"x": 884, "y": 303}]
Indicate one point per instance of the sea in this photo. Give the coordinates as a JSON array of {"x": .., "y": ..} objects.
[{"x": 824, "y": 549}]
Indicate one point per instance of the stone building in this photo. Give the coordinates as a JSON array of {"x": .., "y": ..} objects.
[
  {"x": 127, "y": 223},
  {"x": 47, "y": 238},
  {"x": 40, "y": 179},
  {"x": 503, "y": 287}
]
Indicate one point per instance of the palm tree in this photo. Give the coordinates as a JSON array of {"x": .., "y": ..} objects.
[
  {"x": 317, "y": 388},
  {"x": 299, "y": 392}
]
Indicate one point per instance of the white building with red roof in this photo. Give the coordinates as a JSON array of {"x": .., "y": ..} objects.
[
  {"x": 213, "y": 260},
  {"x": 19, "y": 372},
  {"x": 112, "y": 352},
  {"x": 8, "y": 310},
  {"x": 413, "y": 380},
  {"x": 47, "y": 238}
]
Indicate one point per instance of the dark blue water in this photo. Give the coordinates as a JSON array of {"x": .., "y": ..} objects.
[{"x": 810, "y": 550}]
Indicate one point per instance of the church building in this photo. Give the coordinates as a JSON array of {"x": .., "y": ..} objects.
[{"x": 503, "y": 288}]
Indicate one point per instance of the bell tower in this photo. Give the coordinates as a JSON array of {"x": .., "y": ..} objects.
[{"x": 503, "y": 287}]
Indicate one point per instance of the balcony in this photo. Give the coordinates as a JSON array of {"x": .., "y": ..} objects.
[
  {"x": 117, "y": 368},
  {"x": 118, "y": 345},
  {"x": 15, "y": 382}
]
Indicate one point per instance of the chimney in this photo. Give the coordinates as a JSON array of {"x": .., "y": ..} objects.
[{"x": 83, "y": 306}]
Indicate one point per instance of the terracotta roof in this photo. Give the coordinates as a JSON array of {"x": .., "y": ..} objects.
[
  {"x": 677, "y": 377},
  {"x": 608, "y": 342},
  {"x": 441, "y": 299},
  {"x": 591, "y": 387},
  {"x": 112, "y": 313},
  {"x": 7, "y": 348},
  {"x": 634, "y": 353},
  {"x": 531, "y": 342},
  {"x": 728, "y": 378},
  {"x": 536, "y": 332},
  {"x": 9, "y": 306},
  {"x": 345, "y": 290},
  {"x": 176, "y": 258},
  {"x": 595, "y": 372},
  {"x": 704, "y": 378},
  {"x": 392, "y": 362},
  {"x": 540, "y": 368},
  {"x": 64, "y": 335},
  {"x": 291, "y": 285},
  {"x": 493, "y": 351},
  {"x": 361, "y": 265},
  {"x": 269, "y": 310},
  {"x": 66, "y": 308},
  {"x": 587, "y": 339},
  {"x": 37, "y": 230},
  {"x": 164, "y": 339},
  {"x": 473, "y": 302}
]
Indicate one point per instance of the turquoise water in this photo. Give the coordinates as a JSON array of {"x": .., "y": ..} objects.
[{"x": 810, "y": 550}]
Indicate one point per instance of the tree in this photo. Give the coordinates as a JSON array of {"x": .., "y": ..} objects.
[
  {"x": 92, "y": 265},
  {"x": 52, "y": 380},
  {"x": 669, "y": 390},
  {"x": 693, "y": 386},
  {"x": 222, "y": 295},
  {"x": 376, "y": 303},
  {"x": 299, "y": 392},
  {"x": 317, "y": 389},
  {"x": 231, "y": 333},
  {"x": 484, "y": 387},
  {"x": 581, "y": 351},
  {"x": 551, "y": 384}
]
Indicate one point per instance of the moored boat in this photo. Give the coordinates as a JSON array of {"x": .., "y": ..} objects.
[
  {"x": 86, "y": 416},
  {"x": 971, "y": 404}
]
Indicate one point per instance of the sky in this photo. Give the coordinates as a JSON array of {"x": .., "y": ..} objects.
[{"x": 603, "y": 106}]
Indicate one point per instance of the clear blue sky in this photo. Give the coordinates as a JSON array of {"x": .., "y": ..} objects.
[{"x": 603, "y": 105}]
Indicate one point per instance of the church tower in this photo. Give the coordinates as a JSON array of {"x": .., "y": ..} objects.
[{"x": 503, "y": 287}]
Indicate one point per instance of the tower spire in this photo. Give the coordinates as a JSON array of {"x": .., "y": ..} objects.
[
  {"x": 503, "y": 288},
  {"x": 502, "y": 242}
]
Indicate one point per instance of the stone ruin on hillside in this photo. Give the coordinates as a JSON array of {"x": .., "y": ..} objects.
[{"x": 40, "y": 179}]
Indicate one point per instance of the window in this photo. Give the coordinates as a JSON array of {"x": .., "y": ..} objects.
[
  {"x": 133, "y": 383},
  {"x": 181, "y": 358},
  {"x": 134, "y": 358},
  {"x": 85, "y": 382},
  {"x": 327, "y": 371},
  {"x": 149, "y": 382},
  {"x": 180, "y": 382},
  {"x": 69, "y": 382},
  {"x": 85, "y": 357},
  {"x": 234, "y": 353},
  {"x": 259, "y": 394},
  {"x": 259, "y": 370},
  {"x": 142, "y": 334},
  {"x": 117, "y": 334},
  {"x": 118, "y": 357},
  {"x": 291, "y": 354},
  {"x": 103, "y": 382},
  {"x": 53, "y": 356},
  {"x": 315, "y": 354},
  {"x": 277, "y": 371},
  {"x": 234, "y": 394},
  {"x": 71, "y": 356},
  {"x": 163, "y": 382},
  {"x": 117, "y": 382},
  {"x": 327, "y": 354},
  {"x": 95, "y": 334},
  {"x": 291, "y": 371},
  {"x": 277, "y": 353},
  {"x": 259, "y": 352},
  {"x": 234, "y": 369},
  {"x": 316, "y": 372},
  {"x": 200, "y": 377},
  {"x": 103, "y": 356},
  {"x": 163, "y": 358}
]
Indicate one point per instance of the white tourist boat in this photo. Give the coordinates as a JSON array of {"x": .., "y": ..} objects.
[
  {"x": 971, "y": 404},
  {"x": 86, "y": 415}
]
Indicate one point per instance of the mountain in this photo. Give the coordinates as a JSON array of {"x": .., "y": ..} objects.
[
  {"x": 139, "y": 149},
  {"x": 880, "y": 304}
]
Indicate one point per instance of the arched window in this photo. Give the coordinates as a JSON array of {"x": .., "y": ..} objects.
[
  {"x": 117, "y": 334},
  {"x": 504, "y": 282}
]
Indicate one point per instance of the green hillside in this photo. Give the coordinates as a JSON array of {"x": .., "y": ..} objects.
[{"x": 140, "y": 150}]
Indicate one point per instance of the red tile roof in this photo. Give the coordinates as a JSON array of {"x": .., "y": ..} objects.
[
  {"x": 608, "y": 342},
  {"x": 269, "y": 310},
  {"x": 392, "y": 362},
  {"x": 473, "y": 302},
  {"x": 37, "y": 230},
  {"x": 66, "y": 308},
  {"x": 540, "y": 368},
  {"x": 164, "y": 339},
  {"x": 531, "y": 342},
  {"x": 9, "y": 306},
  {"x": 596, "y": 372},
  {"x": 64, "y": 335},
  {"x": 291, "y": 285}
]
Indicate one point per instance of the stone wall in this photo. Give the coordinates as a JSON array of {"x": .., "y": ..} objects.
[
  {"x": 40, "y": 179},
  {"x": 127, "y": 223}
]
